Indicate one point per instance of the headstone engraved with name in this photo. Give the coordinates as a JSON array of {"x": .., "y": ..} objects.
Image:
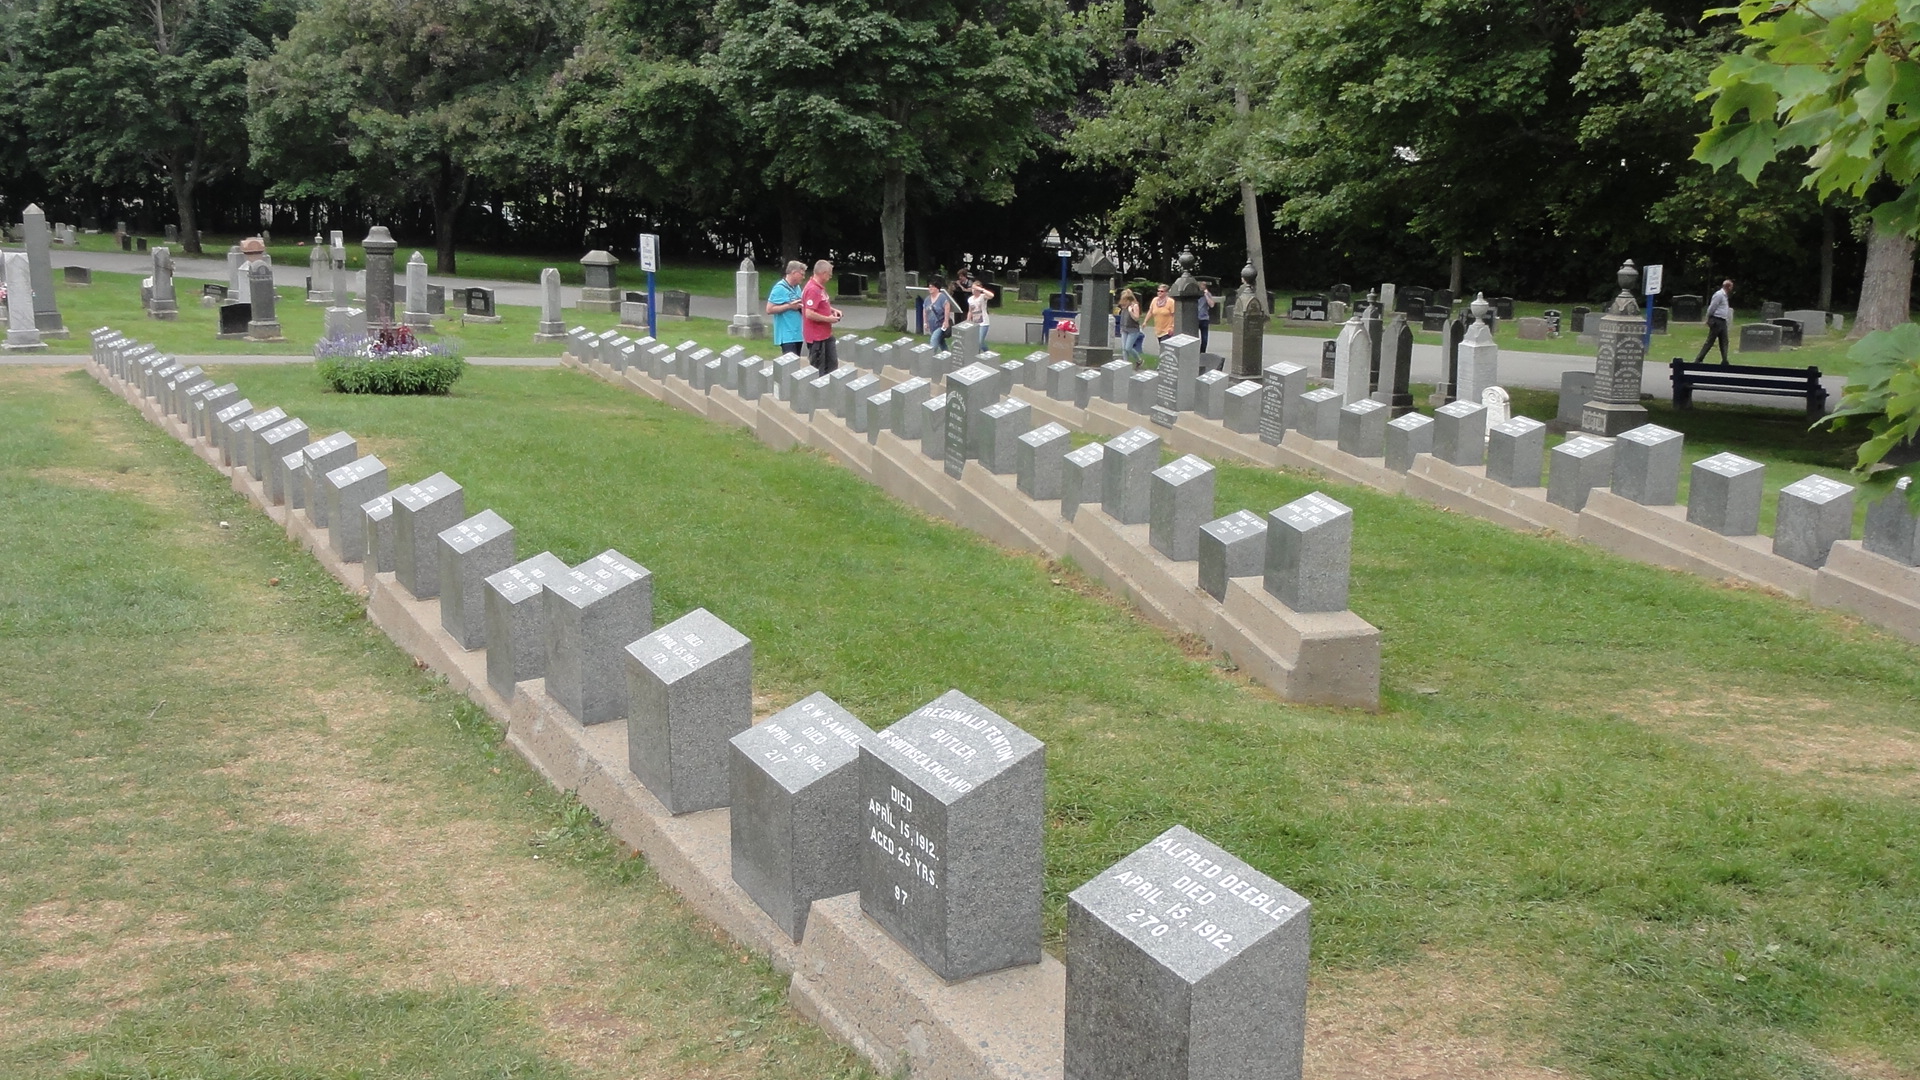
[
  {"x": 323, "y": 456},
  {"x": 1230, "y": 547},
  {"x": 968, "y": 390},
  {"x": 346, "y": 488},
  {"x": 246, "y": 440},
  {"x": 1309, "y": 552},
  {"x": 1040, "y": 459},
  {"x": 271, "y": 448},
  {"x": 1280, "y": 385},
  {"x": 470, "y": 553},
  {"x": 592, "y": 613},
  {"x": 1185, "y": 963},
  {"x": 1617, "y": 369},
  {"x": 1723, "y": 494},
  {"x": 1516, "y": 449},
  {"x": 516, "y": 645},
  {"x": 1646, "y": 465},
  {"x": 1082, "y": 472},
  {"x": 1893, "y": 529},
  {"x": 1812, "y": 515},
  {"x": 691, "y": 689},
  {"x": 1579, "y": 465},
  {"x": 794, "y": 782},
  {"x": 951, "y": 859},
  {"x": 1126, "y": 486},
  {"x": 1179, "y": 372},
  {"x": 1363, "y": 428},
  {"x": 420, "y": 513},
  {"x": 1180, "y": 501}
]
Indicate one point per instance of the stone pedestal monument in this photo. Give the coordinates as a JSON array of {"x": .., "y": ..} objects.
[
  {"x": 1185, "y": 292},
  {"x": 417, "y": 315},
  {"x": 379, "y": 247},
  {"x": 1616, "y": 373},
  {"x": 22, "y": 334},
  {"x": 1249, "y": 329},
  {"x": 551, "y": 326},
  {"x": 749, "y": 318},
  {"x": 1478, "y": 358},
  {"x": 602, "y": 292},
  {"x": 164, "y": 305},
  {"x": 46, "y": 312},
  {"x": 320, "y": 272},
  {"x": 1096, "y": 305},
  {"x": 263, "y": 325}
]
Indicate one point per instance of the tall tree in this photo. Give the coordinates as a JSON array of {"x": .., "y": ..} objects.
[
  {"x": 858, "y": 98},
  {"x": 1180, "y": 113},
  {"x": 409, "y": 100},
  {"x": 1839, "y": 84},
  {"x": 158, "y": 86}
]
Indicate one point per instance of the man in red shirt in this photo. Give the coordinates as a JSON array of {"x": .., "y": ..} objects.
[{"x": 820, "y": 315}]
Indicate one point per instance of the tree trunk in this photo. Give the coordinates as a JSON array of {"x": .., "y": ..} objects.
[
  {"x": 789, "y": 228},
  {"x": 1458, "y": 275},
  {"x": 180, "y": 178},
  {"x": 1826, "y": 258},
  {"x": 1250, "y": 214},
  {"x": 443, "y": 256},
  {"x": 1886, "y": 289},
  {"x": 893, "y": 245}
]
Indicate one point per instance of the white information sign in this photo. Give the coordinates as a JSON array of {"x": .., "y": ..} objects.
[
  {"x": 1654, "y": 274},
  {"x": 649, "y": 252}
]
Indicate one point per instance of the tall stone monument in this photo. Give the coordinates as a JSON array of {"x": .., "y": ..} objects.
[
  {"x": 22, "y": 334},
  {"x": 319, "y": 272},
  {"x": 46, "y": 311},
  {"x": 417, "y": 315},
  {"x": 165, "y": 305},
  {"x": 552, "y": 328},
  {"x": 749, "y": 315},
  {"x": 1095, "y": 346},
  {"x": 263, "y": 324},
  {"x": 1478, "y": 358},
  {"x": 1616, "y": 373},
  {"x": 1376, "y": 333},
  {"x": 1249, "y": 329},
  {"x": 1395, "y": 387},
  {"x": 379, "y": 247},
  {"x": 342, "y": 277},
  {"x": 1185, "y": 292},
  {"x": 236, "y": 273},
  {"x": 602, "y": 291}
]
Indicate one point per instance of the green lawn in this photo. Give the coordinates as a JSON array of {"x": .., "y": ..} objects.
[
  {"x": 1670, "y": 823},
  {"x": 246, "y": 839}
]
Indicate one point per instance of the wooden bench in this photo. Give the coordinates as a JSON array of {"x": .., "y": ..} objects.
[{"x": 1748, "y": 379}]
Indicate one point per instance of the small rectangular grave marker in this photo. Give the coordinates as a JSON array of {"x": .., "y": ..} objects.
[
  {"x": 1363, "y": 427},
  {"x": 1142, "y": 386},
  {"x": 1892, "y": 529},
  {"x": 1580, "y": 464},
  {"x": 1516, "y": 452},
  {"x": 908, "y": 398},
  {"x": 969, "y": 390},
  {"x": 470, "y": 553},
  {"x": 420, "y": 513},
  {"x": 346, "y": 488},
  {"x": 1646, "y": 465},
  {"x": 1001, "y": 425},
  {"x": 292, "y": 470},
  {"x": 1184, "y": 963},
  {"x": 795, "y": 818},
  {"x": 323, "y": 456},
  {"x": 1723, "y": 494},
  {"x": 1309, "y": 552},
  {"x": 516, "y": 644},
  {"x": 1460, "y": 432},
  {"x": 933, "y": 427},
  {"x": 376, "y": 525},
  {"x": 1240, "y": 407},
  {"x": 1082, "y": 472},
  {"x": 951, "y": 866},
  {"x": 1280, "y": 385},
  {"x": 1230, "y": 547},
  {"x": 1812, "y": 515},
  {"x": 1126, "y": 485},
  {"x": 1039, "y": 460},
  {"x": 591, "y": 614},
  {"x": 274, "y": 444},
  {"x": 247, "y": 442},
  {"x": 691, "y": 687},
  {"x": 1180, "y": 501},
  {"x": 1319, "y": 414}
]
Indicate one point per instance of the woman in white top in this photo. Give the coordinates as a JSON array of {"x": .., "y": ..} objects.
[{"x": 977, "y": 310}]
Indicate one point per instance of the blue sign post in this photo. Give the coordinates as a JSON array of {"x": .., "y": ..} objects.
[{"x": 650, "y": 262}]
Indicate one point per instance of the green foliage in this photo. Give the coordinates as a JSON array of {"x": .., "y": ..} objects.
[
  {"x": 433, "y": 374},
  {"x": 1841, "y": 81}
]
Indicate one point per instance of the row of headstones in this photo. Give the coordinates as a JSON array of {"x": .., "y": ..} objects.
[
  {"x": 1301, "y": 551},
  {"x": 1724, "y": 492},
  {"x": 936, "y": 821}
]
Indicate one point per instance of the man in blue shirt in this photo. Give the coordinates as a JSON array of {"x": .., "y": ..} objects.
[{"x": 783, "y": 303}]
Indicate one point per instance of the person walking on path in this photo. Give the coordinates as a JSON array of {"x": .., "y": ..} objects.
[
  {"x": 977, "y": 311},
  {"x": 1204, "y": 310},
  {"x": 1719, "y": 316},
  {"x": 783, "y": 303},
  {"x": 1131, "y": 337},
  {"x": 939, "y": 313},
  {"x": 1161, "y": 312},
  {"x": 820, "y": 315}
]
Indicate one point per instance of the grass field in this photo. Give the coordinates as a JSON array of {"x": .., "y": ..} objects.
[
  {"x": 246, "y": 840},
  {"x": 1612, "y": 819}
]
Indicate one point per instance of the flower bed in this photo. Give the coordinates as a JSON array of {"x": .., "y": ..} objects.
[{"x": 389, "y": 361}]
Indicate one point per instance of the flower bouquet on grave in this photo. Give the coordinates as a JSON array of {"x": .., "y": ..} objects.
[{"x": 388, "y": 361}]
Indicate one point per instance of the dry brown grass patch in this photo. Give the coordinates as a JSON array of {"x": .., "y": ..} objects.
[
  {"x": 1438, "y": 1018},
  {"x": 1793, "y": 735}
]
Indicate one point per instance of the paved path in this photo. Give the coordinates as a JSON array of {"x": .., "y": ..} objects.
[{"x": 1533, "y": 370}]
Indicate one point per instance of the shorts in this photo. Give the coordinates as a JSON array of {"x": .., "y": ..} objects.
[{"x": 791, "y": 348}]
